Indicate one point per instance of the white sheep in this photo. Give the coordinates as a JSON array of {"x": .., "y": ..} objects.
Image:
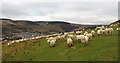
[
  {"x": 49, "y": 39},
  {"x": 110, "y": 31},
  {"x": 89, "y": 36},
  {"x": 84, "y": 40},
  {"x": 8, "y": 44},
  {"x": 98, "y": 28},
  {"x": 69, "y": 42},
  {"x": 78, "y": 32},
  {"x": 52, "y": 43},
  {"x": 70, "y": 36},
  {"x": 79, "y": 37},
  {"x": 118, "y": 29},
  {"x": 85, "y": 33},
  {"x": 93, "y": 33},
  {"x": 12, "y": 42},
  {"x": 106, "y": 31},
  {"x": 99, "y": 32}
]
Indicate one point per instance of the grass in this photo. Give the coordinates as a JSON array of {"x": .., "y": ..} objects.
[{"x": 103, "y": 48}]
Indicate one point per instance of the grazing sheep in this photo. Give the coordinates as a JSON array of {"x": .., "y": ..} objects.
[
  {"x": 71, "y": 32},
  {"x": 8, "y": 44},
  {"x": 79, "y": 37},
  {"x": 93, "y": 33},
  {"x": 63, "y": 36},
  {"x": 85, "y": 33},
  {"x": 13, "y": 42},
  {"x": 98, "y": 28},
  {"x": 84, "y": 40},
  {"x": 70, "y": 36},
  {"x": 99, "y": 32},
  {"x": 78, "y": 32},
  {"x": 106, "y": 32},
  {"x": 118, "y": 29},
  {"x": 49, "y": 39},
  {"x": 52, "y": 43},
  {"x": 89, "y": 36},
  {"x": 69, "y": 42},
  {"x": 58, "y": 37},
  {"x": 110, "y": 31}
]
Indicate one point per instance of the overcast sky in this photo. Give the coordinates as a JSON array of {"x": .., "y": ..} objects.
[{"x": 82, "y": 12}]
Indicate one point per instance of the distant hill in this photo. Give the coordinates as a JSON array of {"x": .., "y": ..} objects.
[
  {"x": 19, "y": 26},
  {"x": 116, "y": 22}
]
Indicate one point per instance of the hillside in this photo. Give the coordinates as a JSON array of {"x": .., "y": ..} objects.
[{"x": 103, "y": 48}]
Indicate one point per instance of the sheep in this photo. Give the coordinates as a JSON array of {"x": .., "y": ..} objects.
[
  {"x": 58, "y": 37},
  {"x": 93, "y": 33},
  {"x": 8, "y": 44},
  {"x": 66, "y": 34},
  {"x": 84, "y": 41},
  {"x": 71, "y": 32},
  {"x": 89, "y": 36},
  {"x": 98, "y": 28},
  {"x": 110, "y": 31},
  {"x": 52, "y": 43},
  {"x": 78, "y": 32},
  {"x": 85, "y": 33},
  {"x": 49, "y": 39},
  {"x": 79, "y": 37},
  {"x": 17, "y": 41},
  {"x": 69, "y": 42},
  {"x": 106, "y": 32},
  {"x": 70, "y": 36},
  {"x": 118, "y": 29},
  {"x": 63, "y": 36},
  {"x": 12, "y": 42},
  {"x": 99, "y": 32}
]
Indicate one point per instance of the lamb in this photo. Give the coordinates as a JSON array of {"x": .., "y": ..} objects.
[
  {"x": 69, "y": 42},
  {"x": 93, "y": 33}
]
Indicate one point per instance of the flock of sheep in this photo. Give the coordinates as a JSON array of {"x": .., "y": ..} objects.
[
  {"x": 84, "y": 38},
  {"x": 69, "y": 36}
]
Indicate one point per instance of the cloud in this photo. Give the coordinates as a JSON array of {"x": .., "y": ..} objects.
[{"x": 73, "y": 12}]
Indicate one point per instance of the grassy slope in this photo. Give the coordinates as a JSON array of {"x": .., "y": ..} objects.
[{"x": 99, "y": 49}]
